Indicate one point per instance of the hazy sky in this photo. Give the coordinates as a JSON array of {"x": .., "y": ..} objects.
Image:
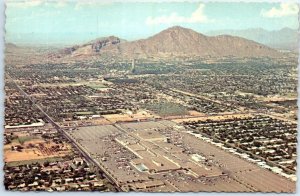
[{"x": 67, "y": 22}]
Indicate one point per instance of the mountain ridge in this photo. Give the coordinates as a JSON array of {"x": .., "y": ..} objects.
[
  {"x": 284, "y": 38},
  {"x": 174, "y": 41}
]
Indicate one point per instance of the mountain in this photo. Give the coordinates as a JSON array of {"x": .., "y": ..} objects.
[
  {"x": 285, "y": 38},
  {"x": 175, "y": 41},
  {"x": 178, "y": 41},
  {"x": 10, "y": 45},
  {"x": 20, "y": 55},
  {"x": 93, "y": 47}
]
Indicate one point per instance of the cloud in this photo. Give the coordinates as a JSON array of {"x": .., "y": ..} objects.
[
  {"x": 24, "y": 4},
  {"x": 35, "y": 3},
  {"x": 285, "y": 9},
  {"x": 91, "y": 3},
  {"x": 197, "y": 16},
  {"x": 61, "y": 3}
]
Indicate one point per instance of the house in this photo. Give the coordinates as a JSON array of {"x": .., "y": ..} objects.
[{"x": 78, "y": 161}]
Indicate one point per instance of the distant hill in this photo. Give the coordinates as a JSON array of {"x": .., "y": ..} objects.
[
  {"x": 92, "y": 47},
  {"x": 9, "y": 46},
  {"x": 174, "y": 41},
  {"x": 22, "y": 55},
  {"x": 285, "y": 39}
]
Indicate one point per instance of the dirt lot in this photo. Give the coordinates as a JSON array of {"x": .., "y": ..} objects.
[
  {"x": 143, "y": 115},
  {"x": 195, "y": 113},
  {"x": 35, "y": 149},
  {"x": 118, "y": 117},
  {"x": 94, "y": 121},
  {"x": 140, "y": 115},
  {"x": 215, "y": 117}
]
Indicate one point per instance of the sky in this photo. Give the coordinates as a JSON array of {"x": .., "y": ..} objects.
[{"x": 75, "y": 22}]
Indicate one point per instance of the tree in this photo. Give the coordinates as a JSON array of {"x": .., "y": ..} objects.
[{"x": 46, "y": 164}]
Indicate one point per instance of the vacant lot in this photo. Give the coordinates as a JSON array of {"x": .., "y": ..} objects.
[
  {"x": 26, "y": 148},
  {"x": 214, "y": 117},
  {"x": 166, "y": 109}
]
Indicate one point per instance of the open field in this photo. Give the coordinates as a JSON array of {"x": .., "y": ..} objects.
[
  {"x": 118, "y": 117},
  {"x": 166, "y": 109},
  {"x": 213, "y": 117},
  {"x": 34, "y": 149},
  {"x": 32, "y": 161}
]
